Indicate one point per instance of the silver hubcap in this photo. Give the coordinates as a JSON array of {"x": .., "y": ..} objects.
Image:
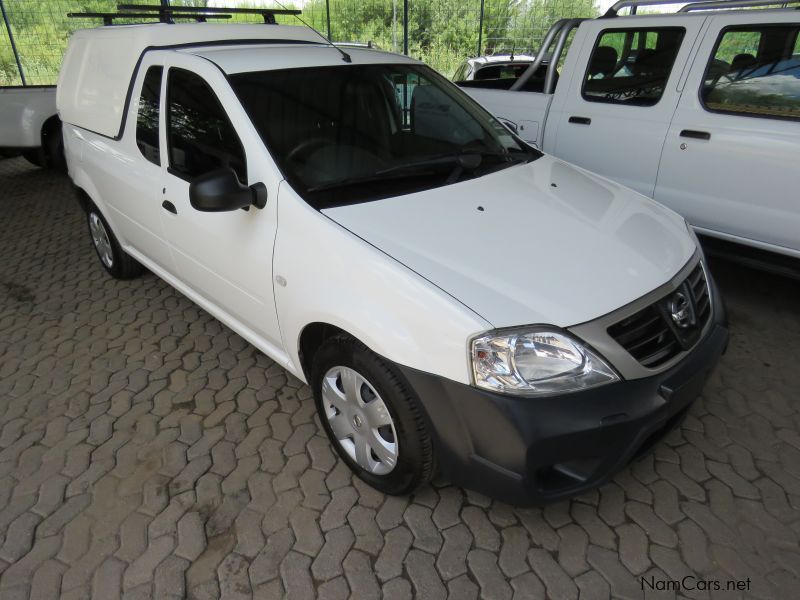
[
  {"x": 359, "y": 419},
  {"x": 100, "y": 239}
]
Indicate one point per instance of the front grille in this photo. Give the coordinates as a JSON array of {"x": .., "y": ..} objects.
[
  {"x": 669, "y": 326},
  {"x": 702, "y": 300}
]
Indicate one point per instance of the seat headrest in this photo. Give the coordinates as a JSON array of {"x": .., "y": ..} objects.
[
  {"x": 604, "y": 60},
  {"x": 741, "y": 61}
]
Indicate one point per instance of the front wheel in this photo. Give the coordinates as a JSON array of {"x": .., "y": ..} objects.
[{"x": 375, "y": 423}]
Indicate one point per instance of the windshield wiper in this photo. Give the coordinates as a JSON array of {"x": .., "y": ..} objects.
[
  {"x": 462, "y": 161},
  {"x": 467, "y": 159},
  {"x": 372, "y": 177}
]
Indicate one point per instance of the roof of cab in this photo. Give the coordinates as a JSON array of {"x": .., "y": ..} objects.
[
  {"x": 242, "y": 59},
  {"x": 98, "y": 68}
]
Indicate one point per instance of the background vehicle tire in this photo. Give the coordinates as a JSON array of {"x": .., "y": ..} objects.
[
  {"x": 35, "y": 157},
  {"x": 114, "y": 259},
  {"x": 375, "y": 423},
  {"x": 53, "y": 145}
]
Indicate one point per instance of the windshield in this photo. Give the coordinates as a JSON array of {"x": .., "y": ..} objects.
[{"x": 348, "y": 134}]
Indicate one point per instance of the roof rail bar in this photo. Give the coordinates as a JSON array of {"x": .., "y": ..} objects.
[
  {"x": 550, "y": 77},
  {"x": 723, "y": 4},
  {"x": 633, "y": 4},
  {"x": 539, "y": 58},
  {"x": 108, "y": 17},
  {"x": 268, "y": 14}
]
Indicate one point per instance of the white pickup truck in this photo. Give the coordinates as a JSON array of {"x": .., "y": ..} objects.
[
  {"x": 30, "y": 126},
  {"x": 454, "y": 297},
  {"x": 698, "y": 109}
]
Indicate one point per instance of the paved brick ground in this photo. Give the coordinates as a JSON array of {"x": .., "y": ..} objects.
[{"x": 148, "y": 451}]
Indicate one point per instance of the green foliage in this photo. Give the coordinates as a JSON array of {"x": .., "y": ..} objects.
[{"x": 442, "y": 33}]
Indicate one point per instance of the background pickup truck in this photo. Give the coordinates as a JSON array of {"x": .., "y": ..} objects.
[
  {"x": 699, "y": 110},
  {"x": 30, "y": 126}
]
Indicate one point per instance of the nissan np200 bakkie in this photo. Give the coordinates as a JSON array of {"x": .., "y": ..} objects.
[{"x": 456, "y": 299}]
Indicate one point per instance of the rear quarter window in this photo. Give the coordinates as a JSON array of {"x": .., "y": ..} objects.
[
  {"x": 754, "y": 71},
  {"x": 147, "y": 116}
]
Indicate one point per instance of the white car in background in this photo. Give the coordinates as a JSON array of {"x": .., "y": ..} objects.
[
  {"x": 30, "y": 126},
  {"x": 698, "y": 109},
  {"x": 495, "y": 66},
  {"x": 456, "y": 299}
]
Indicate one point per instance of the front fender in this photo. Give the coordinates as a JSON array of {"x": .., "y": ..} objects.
[{"x": 331, "y": 276}]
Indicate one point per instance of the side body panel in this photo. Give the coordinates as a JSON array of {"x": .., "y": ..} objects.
[
  {"x": 524, "y": 110},
  {"x": 742, "y": 182},
  {"x": 121, "y": 182},
  {"x": 620, "y": 141},
  {"x": 23, "y": 111}
]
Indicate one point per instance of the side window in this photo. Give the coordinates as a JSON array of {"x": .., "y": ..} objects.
[
  {"x": 631, "y": 66},
  {"x": 147, "y": 115},
  {"x": 755, "y": 71},
  {"x": 461, "y": 72},
  {"x": 200, "y": 137}
]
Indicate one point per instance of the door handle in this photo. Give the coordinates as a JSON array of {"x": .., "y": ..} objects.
[
  {"x": 580, "y": 120},
  {"x": 169, "y": 206},
  {"x": 695, "y": 135}
]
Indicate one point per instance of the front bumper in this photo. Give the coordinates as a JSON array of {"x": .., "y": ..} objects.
[{"x": 538, "y": 450}]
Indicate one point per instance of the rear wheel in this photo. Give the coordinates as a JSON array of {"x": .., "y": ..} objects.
[
  {"x": 375, "y": 423},
  {"x": 114, "y": 259}
]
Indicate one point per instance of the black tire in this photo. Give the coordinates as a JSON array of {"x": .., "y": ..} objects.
[
  {"x": 54, "y": 148},
  {"x": 35, "y": 157},
  {"x": 415, "y": 459},
  {"x": 121, "y": 265}
]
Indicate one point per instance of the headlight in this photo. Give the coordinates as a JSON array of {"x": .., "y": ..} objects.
[{"x": 531, "y": 362}]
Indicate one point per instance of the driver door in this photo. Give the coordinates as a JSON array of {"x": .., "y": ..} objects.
[{"x": 225, "y": 258}]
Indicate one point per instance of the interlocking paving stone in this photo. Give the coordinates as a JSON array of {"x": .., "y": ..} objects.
[
  {"x": 423, "y": 574},
  {"x": 558, "y": 583},
  {"x": 452, "y": 560},
  {"x": 633, "y": 548},
  {"x": 396, "y": 589},
  {"x": 328, "y": 563},
  {"x": 390, "y": 561},
  {"x": 493, "y": 584},
  {"x": 145, "y": 447},
  {"x": 572, "y": 549},
  {"x": 296, "y": 576},
  {"x": 360, "y": 576}
]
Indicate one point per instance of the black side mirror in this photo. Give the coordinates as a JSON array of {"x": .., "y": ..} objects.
[{"x": 220, "y": 190}]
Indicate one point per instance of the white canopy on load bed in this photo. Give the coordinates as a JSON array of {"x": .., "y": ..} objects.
[{"x": 99, "y": 64}]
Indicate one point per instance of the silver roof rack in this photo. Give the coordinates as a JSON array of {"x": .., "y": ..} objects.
[
  {"x": 633, "y": 4},
  {"x": 693, "y": 5},
  {"x": 723, "y": 4}
]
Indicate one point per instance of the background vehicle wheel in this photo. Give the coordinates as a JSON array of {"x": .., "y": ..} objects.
[
  {"x": 35, "y": 157},
  {"x": 113, "y": 258},
  {"x": 53, "y": 145},
  {"x": 375, "y": 423}
]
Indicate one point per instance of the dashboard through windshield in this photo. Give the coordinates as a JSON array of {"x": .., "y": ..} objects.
[{"x": 348, "y": 134}]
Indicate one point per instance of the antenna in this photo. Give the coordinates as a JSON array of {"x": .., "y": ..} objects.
[{"x": 345, "y": 56}]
